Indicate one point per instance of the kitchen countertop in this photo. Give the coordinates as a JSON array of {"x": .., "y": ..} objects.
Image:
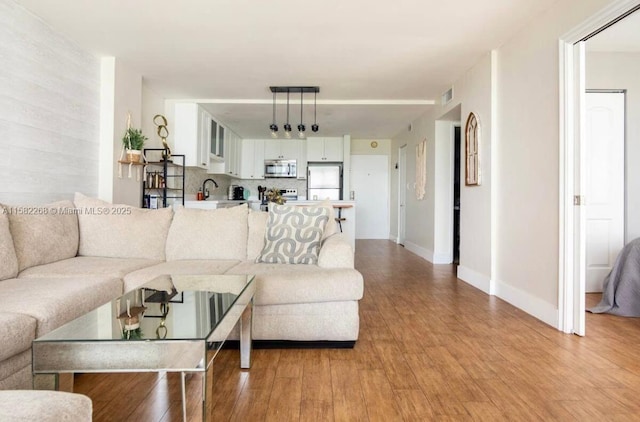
[
  {"x": 223, "y": 201},
  {"x": 336, "y": 204}
]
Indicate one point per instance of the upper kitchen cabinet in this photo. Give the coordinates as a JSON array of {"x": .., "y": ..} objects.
[
  {"x": 281, "y": 149},
  {"x": 325, "y": 149},
  {"x": 217, "y": 141},
  {"x": 192, "y": 134},
  {"x": 230, "y": 147},
  {"x": 302, "y": 161},
  {"x": 252, "y": 159}
]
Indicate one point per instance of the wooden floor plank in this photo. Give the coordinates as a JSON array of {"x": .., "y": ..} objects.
[{"x": 431, "y": 347}]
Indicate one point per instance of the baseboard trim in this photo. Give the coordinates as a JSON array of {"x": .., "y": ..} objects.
[
  {"x": 442, "y": 258},
  {"x": 289, "y": 344},
  {"x": 419, "y": 250},
  {"x": 532, "y": 305},
  {"x": 394, "y": 239},
  {"x": 477, "y": 280}
]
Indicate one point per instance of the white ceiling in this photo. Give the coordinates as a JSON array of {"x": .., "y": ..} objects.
[
  {"x": 622, "y": 37},
  {"x": 408, "y": 51}
]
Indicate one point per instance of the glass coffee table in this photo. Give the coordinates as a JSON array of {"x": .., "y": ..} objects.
[{"x": 174, "y": 323}]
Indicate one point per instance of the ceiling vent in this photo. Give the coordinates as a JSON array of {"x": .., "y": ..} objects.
[{"x": 447, "y": 96}]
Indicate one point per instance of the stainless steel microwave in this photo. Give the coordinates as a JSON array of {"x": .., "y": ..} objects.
[{"x": 280, "y": 168}]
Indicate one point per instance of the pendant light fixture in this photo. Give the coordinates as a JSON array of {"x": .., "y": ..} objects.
[
  {"x": 314, "y": 126},
  {"x": 287, "y": 126},
  {"x": 274, "y": 127},
  {"x": 301, "y": 127}
]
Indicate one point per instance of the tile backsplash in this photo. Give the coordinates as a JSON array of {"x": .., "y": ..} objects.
[{"x": 194, "y": 177}]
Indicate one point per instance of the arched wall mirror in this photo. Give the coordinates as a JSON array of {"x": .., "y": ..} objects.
[{"x": 472, "y": 151}]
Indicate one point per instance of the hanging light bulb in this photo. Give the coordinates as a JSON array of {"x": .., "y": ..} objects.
[
  {"x": 301, "y": 127},
  {"x": 273, "y": 127},
  {"x": 287, "y": 126},
  {"x": 314, "y": 126}
]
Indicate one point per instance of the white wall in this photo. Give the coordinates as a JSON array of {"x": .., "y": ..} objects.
[
  {"x": 420, "y": 223},
  {"x": 49, "y": 112},
  {"x": 121, "y": 94},
  {"x": 443, "y": 212},
  {"x": 620, "y": 71},
  {"x": 527, "y": 204},
  {"x": 152, "y": 104},
  {"x": 363, "y": 147},
  {"x": 426, "y": 219},
  {"x": 509, "y": 225}
]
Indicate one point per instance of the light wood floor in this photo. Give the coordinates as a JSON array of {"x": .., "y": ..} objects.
[{"x": 431, "y": 348}]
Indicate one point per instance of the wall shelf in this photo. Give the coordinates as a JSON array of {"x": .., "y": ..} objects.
[{"x": 163, "y": 184}]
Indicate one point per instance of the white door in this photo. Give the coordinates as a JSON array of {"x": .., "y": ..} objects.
[
  {"x": 370, "y": 181},
  {"x": 402, "y": 193},
  {"x": 604, "y": 189}
]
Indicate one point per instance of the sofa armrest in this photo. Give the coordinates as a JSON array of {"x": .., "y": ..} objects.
[{"x": 336, "y": 252}]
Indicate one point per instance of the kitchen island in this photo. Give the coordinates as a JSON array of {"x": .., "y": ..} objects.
[
  {"x": 212, "y": 204},
  {"x": 345, "y": 211}
]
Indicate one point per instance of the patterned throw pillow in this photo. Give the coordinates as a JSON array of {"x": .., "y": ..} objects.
[{"x": 294, "y": 234}]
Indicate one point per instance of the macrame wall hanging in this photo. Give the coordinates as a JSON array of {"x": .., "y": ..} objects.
[
  {"x": 126, "y": 158},
  {"x": 421, "y": 169}
]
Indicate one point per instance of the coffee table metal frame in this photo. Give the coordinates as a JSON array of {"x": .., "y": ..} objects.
[{"x": 55, "y": 360}]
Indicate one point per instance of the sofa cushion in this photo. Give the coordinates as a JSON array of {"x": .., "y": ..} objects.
[
  {"x": 136, "y": 279},
  {"x": 55, "y": 301},
  {"x": 44, "y": 406},
  {"x": 281, "y": 284},
  {"x": 294, "y": 234},
  {"x": 44, "y": 234},
  {"x": 257, "y": 228},
  {"x": 8, "y": 258},
  {"x": 121, "y": 231},
  {"x": 18, "y": 331},
  {"x": 332, "y": 321},
  {"x": 208, "y": 234},
  {"x": 88, "y": 266},
  {"x": 336, "y": 252},
  {"x": 15, "y": 372}
]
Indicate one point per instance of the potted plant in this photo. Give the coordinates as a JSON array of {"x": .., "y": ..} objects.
[
  {"x": 273, "y": 195},
  {"x": 133, "y": 141}
]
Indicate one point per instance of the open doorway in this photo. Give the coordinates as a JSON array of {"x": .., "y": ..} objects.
[
  {"x": 457, "y": 155},
  {"x": 402, "y": 193},
  {"x": 578, "y": 186}
]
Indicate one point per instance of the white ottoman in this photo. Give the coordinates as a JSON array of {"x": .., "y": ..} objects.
[{"x": 39, "y": 405}]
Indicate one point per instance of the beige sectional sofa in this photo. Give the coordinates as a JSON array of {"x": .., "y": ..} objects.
[{"x": 66, "y": 258}]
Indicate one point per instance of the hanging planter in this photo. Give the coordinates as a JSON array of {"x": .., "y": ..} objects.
[{"x": 133, "y": 142}]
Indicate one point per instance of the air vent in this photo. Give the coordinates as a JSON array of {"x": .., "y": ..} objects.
[{"x": 447, "y": 96}]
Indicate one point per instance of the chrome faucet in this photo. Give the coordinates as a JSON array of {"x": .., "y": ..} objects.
[{"x": 206, "y": 191}]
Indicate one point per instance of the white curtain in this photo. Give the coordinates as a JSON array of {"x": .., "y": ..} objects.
[{"x": 421, "y": 169}]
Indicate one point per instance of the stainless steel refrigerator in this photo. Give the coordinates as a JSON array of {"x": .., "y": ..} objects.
[{"x": 324, "y": 181}]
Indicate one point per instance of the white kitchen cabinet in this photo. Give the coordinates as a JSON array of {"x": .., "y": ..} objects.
[
  {"x": 192, "y": 125},
  {"x": 231, "y": 150},
  {"x": 252, "y": 159},
  {"x": 217, "y": 141},
  {"x": 281, "y": 149},
  {"x": 325, "y": 149},
  {"x": 302, "y": 161},
  {"x": 230, "y": 165}
]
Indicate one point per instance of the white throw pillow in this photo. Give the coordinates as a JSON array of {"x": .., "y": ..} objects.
[{"x": 294, "y": 234}]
